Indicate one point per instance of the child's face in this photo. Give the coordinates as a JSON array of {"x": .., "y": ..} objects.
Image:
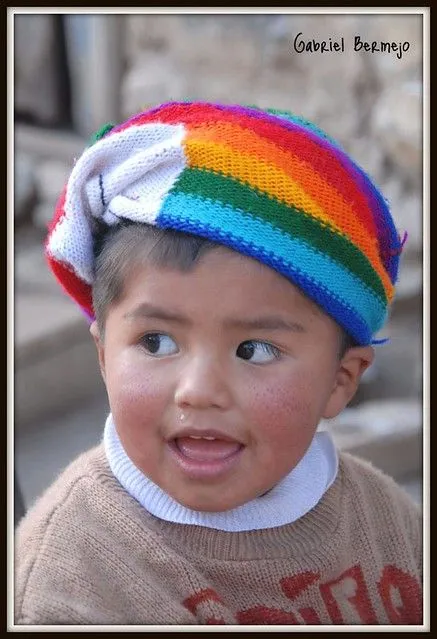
[{"x": 217, "y": 378}]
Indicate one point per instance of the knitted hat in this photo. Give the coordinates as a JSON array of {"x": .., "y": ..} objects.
[{"x": 265, "y": 183}]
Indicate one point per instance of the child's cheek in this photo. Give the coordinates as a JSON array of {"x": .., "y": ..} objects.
[
  {"x": 135, "y": 393},
  {"x": 285, "y": 409}
]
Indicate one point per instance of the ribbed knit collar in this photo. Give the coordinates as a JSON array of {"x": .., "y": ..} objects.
[{"x": 294, "y": 496}]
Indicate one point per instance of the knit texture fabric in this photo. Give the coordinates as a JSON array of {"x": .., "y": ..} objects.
[
  {"x": 88, "y": 553},
  {"x": 287, "y": 501},
  {"x": 265, "y": 183}
]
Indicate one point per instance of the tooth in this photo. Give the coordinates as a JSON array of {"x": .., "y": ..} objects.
[
  {"x": 195, "y": 437},
  {"x": 209, "y": 438}
]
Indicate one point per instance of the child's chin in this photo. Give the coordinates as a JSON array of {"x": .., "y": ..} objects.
[
  {"x": 216, "y": 502},
  {"x": 209, "y": 505}
]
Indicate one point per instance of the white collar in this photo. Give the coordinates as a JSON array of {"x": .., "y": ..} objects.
[{"x": 290, "y": 499}]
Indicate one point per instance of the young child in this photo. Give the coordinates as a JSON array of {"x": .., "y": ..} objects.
[{"x": 235, "y": 265}]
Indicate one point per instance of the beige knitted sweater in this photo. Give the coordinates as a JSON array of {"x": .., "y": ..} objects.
[{"x": 88, "y": 553}]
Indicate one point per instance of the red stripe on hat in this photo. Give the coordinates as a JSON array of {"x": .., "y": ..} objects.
[{"x": 79, "y": 290}]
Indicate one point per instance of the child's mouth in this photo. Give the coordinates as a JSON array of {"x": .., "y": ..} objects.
[
  {"x": 208, "y": 449},
  {"x": 205, "y": 456}
]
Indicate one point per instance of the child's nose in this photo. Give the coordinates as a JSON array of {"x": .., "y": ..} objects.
[{"x": 203, "y": 384}]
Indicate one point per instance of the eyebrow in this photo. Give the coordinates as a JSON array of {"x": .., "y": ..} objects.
[
  {"x": 268, "y": 322},
  {"x": 148, "y": 311}
]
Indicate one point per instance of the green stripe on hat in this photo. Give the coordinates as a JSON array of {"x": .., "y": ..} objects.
[{"x": 295, "y": 222}]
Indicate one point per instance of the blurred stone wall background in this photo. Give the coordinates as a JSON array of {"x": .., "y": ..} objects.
[{"x": 73, "y": 73}]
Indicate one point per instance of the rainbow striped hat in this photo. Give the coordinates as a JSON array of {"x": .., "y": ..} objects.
[{"x": 265, "y": 183}]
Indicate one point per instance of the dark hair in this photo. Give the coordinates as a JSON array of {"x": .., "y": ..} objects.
[{"x": 117, "y": 249}]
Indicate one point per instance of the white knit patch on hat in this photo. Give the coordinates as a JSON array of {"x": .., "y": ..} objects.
[{"x": 125, "y": 175}]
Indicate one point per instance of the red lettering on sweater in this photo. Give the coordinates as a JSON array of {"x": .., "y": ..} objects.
[
  {"x": 310, "y": 616},
  {"x": 294, "y": 586},
  {"x": 215, "y": 621},
  {"x": 207, "y": 595},
  {"x": 263, "y": 616},
  {"x": 347, "y": 599},
  {"x": 401, "y": 596}
]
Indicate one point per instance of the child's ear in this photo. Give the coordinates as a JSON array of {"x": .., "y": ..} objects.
[
  {"x": 351, "y": 367},
  {"x": 94, "y": 330}
]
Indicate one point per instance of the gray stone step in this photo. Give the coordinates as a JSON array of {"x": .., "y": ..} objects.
[
  {"x": 55, "y": 360},
  {"x": 47, "y": 144},
  {"x": 388, "y": 432}
]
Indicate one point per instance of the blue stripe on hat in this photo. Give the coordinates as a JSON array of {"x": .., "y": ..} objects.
[{"x": 351, "y": 303}]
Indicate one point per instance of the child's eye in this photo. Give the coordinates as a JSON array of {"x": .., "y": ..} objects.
[
  {"x": 159, "y": 344},
  {"x": 258, "y": 352}
]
